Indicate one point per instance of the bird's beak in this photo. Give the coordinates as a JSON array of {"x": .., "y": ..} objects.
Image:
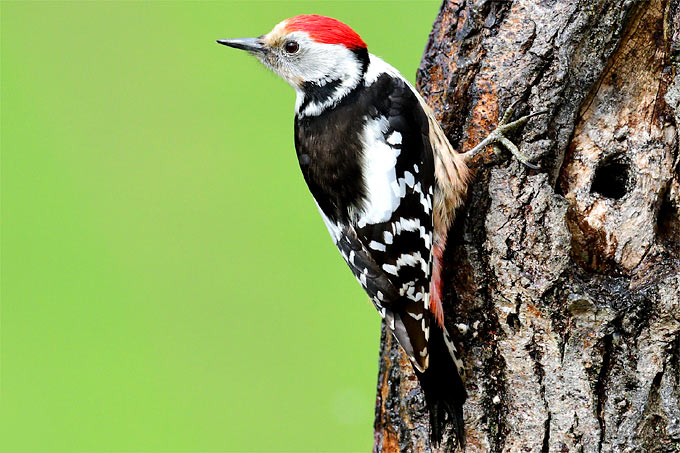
[{"x": 252, "y": 45}]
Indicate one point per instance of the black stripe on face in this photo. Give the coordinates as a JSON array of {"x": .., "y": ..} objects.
[
  {"x": 317, "y": 94},
  {"x": 362, "y": 56}
]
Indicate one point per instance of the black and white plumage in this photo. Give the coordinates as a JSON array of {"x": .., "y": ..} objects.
[
  {"x": 386, "y": 182},
  {"x": 369, "y": 165},
  {"x": 376, "y": 194}
]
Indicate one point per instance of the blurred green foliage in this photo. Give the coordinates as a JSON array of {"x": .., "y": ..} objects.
[{"x": 167, "y": 283}]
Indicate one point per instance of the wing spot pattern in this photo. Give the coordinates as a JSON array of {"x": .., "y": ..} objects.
[
  {"x": 377, "y": 246},
  {"x": 415, "y": 316},
  {"x": 411, "y": 225},
  {"x": 388, "y": 237},
  {"x": 390, "y": 269},
  {"x": 453, "y": 351},
  {"x": 394, "y": 138},
  {"x": 409, "y": 179},
  {"x": 412, "y": 260}
]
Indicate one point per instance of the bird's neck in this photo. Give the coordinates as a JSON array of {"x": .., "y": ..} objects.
[{"x": 313, "y": 98}]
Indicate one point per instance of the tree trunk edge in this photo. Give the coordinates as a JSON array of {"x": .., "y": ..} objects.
[{"x": 563, "y": 285}]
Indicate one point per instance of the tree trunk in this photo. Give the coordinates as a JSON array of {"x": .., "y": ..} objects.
[{"x": 563, "y": 285}]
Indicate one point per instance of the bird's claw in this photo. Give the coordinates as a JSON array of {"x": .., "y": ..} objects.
[
  {"x": 510, "y": 146},
  {"x": 497, "y": 137}
]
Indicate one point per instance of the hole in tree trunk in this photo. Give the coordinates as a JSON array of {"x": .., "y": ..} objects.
[{"x": 612, "y": 178}]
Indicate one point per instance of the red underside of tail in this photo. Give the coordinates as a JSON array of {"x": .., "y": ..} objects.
[{"x": 436, "y": 285}]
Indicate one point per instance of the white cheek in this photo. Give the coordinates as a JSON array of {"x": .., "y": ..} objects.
[
  {"x": 281, "y": 68},
  {"x": 315, "y": 63},
  {"x": 325, "y": 63},
  {"x": 322, "y": 63}
]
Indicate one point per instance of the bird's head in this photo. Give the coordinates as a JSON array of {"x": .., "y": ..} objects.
[{"x": 311, "y": 53}]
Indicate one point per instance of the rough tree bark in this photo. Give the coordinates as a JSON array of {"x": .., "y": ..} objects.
[{"x": 564, "y": 283}]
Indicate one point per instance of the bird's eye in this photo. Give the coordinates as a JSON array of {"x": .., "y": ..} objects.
[{"x": 292, "y": 47}]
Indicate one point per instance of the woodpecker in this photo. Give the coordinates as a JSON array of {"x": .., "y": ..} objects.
[{"x": 386, "y": 182}]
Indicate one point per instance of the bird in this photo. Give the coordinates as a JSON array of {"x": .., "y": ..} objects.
[{"x": 387, "y": 184}]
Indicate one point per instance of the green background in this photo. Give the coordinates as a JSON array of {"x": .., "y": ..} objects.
[{"x": 167, "y": 283}]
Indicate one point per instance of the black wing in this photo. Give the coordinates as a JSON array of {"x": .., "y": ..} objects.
[
  {"x": 369, "y": 165},
  {"x": 402, "y": 243}
]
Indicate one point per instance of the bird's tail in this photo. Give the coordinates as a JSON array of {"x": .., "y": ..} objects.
[{"x": 442, "y": 384}]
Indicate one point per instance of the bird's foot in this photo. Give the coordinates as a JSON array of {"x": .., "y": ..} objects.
[{"x": 497, "y": 137}]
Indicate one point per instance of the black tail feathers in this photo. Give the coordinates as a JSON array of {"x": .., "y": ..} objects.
[{"x": 443, "y": 388}]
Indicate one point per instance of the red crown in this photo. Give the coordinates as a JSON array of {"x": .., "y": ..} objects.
[{"x": 326, "y": 30}]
